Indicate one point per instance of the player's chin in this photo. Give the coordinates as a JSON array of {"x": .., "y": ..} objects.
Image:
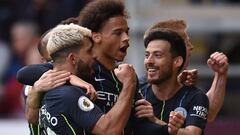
[
  {"x": 151, "y": 80},
  {"x": 120, "y": 58}
]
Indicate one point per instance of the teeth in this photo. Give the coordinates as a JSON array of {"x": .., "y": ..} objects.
[{"x": 152, "y": 70}]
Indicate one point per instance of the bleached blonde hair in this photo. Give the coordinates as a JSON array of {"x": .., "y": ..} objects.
[{"x": 64, "y": 36}]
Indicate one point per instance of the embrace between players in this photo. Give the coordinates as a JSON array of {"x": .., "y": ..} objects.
[{"x": 82, "y": 92}]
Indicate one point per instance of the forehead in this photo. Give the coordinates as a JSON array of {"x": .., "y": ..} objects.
[
  {"x": 158, "y": 45},
  {"x": 118, "y": 22}
]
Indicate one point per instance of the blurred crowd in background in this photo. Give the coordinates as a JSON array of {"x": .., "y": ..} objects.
[
  {"x": 21, "y": 24},
  {"x": 23, "y": 21}
]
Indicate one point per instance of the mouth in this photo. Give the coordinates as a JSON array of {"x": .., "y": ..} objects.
[
  {"x": 124, "y": 49},
  {"x": 152, "y": 69}
]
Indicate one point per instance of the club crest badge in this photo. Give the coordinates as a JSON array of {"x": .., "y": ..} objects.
[
  {"x": 85, "y": 104},
  {"x": 181, "y": 110}
]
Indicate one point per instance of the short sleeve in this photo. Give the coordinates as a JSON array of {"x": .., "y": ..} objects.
[
  {"x": 198, "y": 110},
  {"x": 28, "y": 75}
]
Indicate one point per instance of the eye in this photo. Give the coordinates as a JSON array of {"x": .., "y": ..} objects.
[
  {"x": 146, "y": 55},
  {"x": 157, "y": 55},
  {"x": 118, "y": 33},
  {"x": 127, "y": 32}
]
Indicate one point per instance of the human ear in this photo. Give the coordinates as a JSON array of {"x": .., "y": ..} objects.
[
  {"x": 96, "y": 37},
  {"x": 72, "y": 58},
  {"x": 178, "y": 61}
]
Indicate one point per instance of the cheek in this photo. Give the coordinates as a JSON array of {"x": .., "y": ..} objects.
[
  {"x": 145, "y": 62},
  {"x": 111, "y": 48},
  {"x": 88, "y": 59}
]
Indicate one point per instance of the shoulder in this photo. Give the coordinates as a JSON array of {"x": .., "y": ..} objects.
[
  {"x": 70, "y": 89},
  {"x": 67, "y": 91},
  {"x": 192, "y": 90},
  {"x": 196, "y": 94}
]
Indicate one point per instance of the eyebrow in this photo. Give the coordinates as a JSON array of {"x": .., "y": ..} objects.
[{"x": 121, "y": 29}]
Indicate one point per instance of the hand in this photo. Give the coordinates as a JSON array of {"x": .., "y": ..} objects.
[
  {"x": 144, "y": 109},
  {"x": 51, "y": 79},
  {"x": 218, "y": 62},
  {"x": 188, "y": 77},
  {"x": 126, "y": 74},
  {"x": 176, "y": 120},
  {"x": 74, "y": 80}
]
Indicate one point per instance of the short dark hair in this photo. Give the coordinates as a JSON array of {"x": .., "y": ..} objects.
[
  {"x": 73, "y": 20},
  {"x": 42, "y": 46},
  {"x": 95, "y": 14},
  {"x": 177, "y": 43},
  {"x": 176, "y": 25}
]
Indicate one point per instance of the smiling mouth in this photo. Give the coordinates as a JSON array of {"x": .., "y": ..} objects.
[{"x": 152, "y": 70}]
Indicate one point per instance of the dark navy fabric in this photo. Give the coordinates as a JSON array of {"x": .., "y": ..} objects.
[
  {"x": 62, "y": 113},
  {"x": 193, "y": 100}
]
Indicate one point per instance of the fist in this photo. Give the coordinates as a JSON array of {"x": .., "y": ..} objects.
[
  {"x": 218, "y": 62},
  {"x": 125, "y": 73},
  {"x": 188, "y": 77}
]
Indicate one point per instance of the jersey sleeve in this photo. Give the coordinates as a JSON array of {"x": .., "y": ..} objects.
[
  {"x": 81, "y": 109},
  {"x": 28, "y": 75},
  {"x": 198, "y": 110}
]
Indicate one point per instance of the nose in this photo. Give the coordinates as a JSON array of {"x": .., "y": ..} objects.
[
  {"x": 125, "y": 37},
  {"x": 149, "y": 59}
]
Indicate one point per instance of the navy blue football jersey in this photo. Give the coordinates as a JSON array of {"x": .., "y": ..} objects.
[
  {"x": 105, "y": 82},
  {"x": 107, "y": 86},
  {"x": 189, "y": 100},
  {"x": 66, "y": 110}
]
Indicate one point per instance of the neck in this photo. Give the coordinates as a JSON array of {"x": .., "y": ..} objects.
[
  {"x": 167, "y": 89},
  {"x": 107, "y": 62},
  {"x": 64, "y": 66}
]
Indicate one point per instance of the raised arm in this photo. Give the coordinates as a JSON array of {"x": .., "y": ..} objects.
[
  {"x": 218, "y": 62},
  {"x": 115, "y": 120}
]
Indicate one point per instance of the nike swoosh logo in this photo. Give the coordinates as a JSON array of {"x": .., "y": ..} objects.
[{"x": 99, "y": 79}]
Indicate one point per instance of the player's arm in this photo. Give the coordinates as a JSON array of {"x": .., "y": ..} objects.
[
  {"x": 48, "y": 80},
  {"x": 188, "y": 77},
  {"x": 76, "y": 81},
  {"x": 176, "y": 121},
  {"x": 189, "y": 130},
  {"x": 144, "y": 109},
  {"x": 29, "y": 74},
  {"x": 32, "y": 107},
  {"x": 218, "y": 62},
  {"x": 115, "y": 120},
  {"x": 197, "y": 113}
]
